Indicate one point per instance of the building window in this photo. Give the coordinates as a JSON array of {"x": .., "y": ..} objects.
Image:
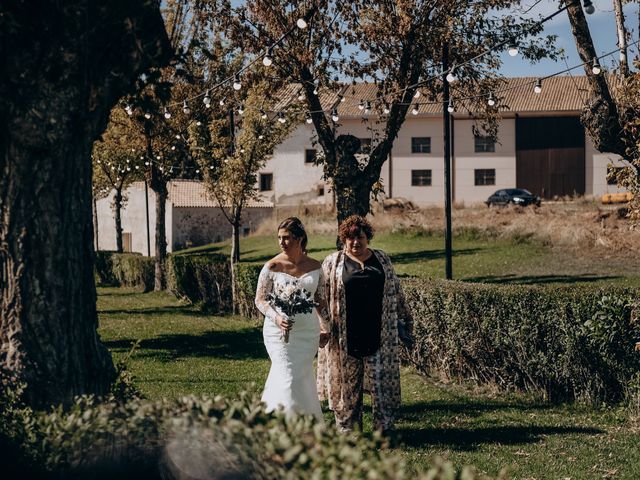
[
  {"x": 266, "y": 182},
  {"x": 365, "y": 146},
  {"x": 485, "y": 176},
  {"x": 484, "y": 144},
  {"x": 310, "y": 155},
  {"x": 612, "y": 174},
  {"x": 321, "y": 191},
  {"x": 420, "y": 144},
  {"x": 420, "y": 178}
]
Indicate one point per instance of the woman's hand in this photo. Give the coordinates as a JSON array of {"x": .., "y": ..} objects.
[
  {"x": 324, "y": 339},
  {"x": 284, "y": 323}
]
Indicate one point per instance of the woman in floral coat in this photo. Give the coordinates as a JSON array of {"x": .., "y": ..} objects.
[{"x": 367, "y": 314}]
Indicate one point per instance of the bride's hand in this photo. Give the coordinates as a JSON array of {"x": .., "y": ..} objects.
[
  {"x": 284, "y": 323},
  {"x": 324, "y": 339}
]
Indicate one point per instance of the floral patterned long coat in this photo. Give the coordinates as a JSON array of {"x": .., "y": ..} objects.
[{"x": 332, "y": 358}]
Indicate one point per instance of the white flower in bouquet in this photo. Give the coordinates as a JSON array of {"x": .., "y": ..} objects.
[{"x": 291, "y": 299}]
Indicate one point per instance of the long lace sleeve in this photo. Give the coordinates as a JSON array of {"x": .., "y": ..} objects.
[
  {"x": 322, "y": 301},
  {"x": 265, "y": 285}
]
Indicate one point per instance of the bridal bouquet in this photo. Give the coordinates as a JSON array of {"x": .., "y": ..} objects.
[{"x": 291, "y": 299}]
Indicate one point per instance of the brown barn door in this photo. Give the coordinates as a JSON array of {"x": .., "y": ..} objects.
[{"x": 550, "y": 156}]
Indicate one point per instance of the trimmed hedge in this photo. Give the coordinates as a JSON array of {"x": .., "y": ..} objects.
[
  {"x": 125, "y": 270},
  {"x": 203, "y": 279},
  {"x": 247, "y": 281},
  {"x": 190, "y": 438},
  {"x": 570, "y": 343}
]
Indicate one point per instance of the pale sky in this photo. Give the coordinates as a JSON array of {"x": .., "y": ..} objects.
[{"x": 601, "y": 25}]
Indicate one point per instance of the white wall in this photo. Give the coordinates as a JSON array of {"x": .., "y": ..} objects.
[
  {"x": 294, "y": 181},
  {"x": 133, "y": 221},
  {"x": 596, "y": 170}
]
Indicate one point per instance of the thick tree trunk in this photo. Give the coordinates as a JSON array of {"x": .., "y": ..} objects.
[
  {"x": 117, "y": 210},
  {"x": 66, "y": 64}
]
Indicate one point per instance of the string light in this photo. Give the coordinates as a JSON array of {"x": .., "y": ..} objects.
[
  {"x": 417, "y": 94},
  {"x": 241, "y": 109},
  {"x": 595, "y": 68},
  {"x": 301, "y": 96},
  {"x": 386, "y": 109},
  {"x": 263, "y": 114},
  {"x": 167, "y": 113},
  {"x": 414, "y": 111},
  {"x": 281, "y": 118},
  {"x": 206, "y": 100},
  {"x": 490, "y": 101},
  {"x": 450, "y": 107},
  {"x": 367, "y": 107},
  {"x": 316, "y": 83},
  {"x": 361, "y": 105},
  {"x": 588, "y": 7},
  {"x": 129, "y": 110},
  {"x": 267, "y": 60},
  {"x": 513, "y": 47},
  {"x": 308, "y": 118},
  {"x": 538, "y": 87},
  {"x": 237, "y": 84},
  {"x": 301, "y": 23},
  {"x": 451, "y": 76},
  {"x": 147, "y": 115},
  {"x": 221, "y": 102},
  {"x": 334, "y": 115},
  {"x": 185, "y": 108}
]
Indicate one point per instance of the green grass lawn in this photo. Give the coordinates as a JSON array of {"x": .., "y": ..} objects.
[
  {"x": 474, "y": 259},
  {"x": 185, "y": 352}
]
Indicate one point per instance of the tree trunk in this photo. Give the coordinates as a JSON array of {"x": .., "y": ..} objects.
[
  {"x": 601, "y": 117},
  {"x": 117, "y": 210},
  {"x": 235, "y": 255},
  {"x": 95, "y": 223},
  {"x": 70, "y": 62},
  {"x": 621, "y": 30},
  {"x": 161, "y": 237}
]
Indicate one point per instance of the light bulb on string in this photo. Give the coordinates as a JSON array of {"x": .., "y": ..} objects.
[
  {"x": 417, "y": 94},
  {"x": 281, "y": 118},
  {"x": 334, "y": 115},
  {"x": 361, "y": 105},
  {"x": 185, "y": 108},
  {"x": 267, "y": 60},
  {"x": 386, "y": 109},
  {"x": 367, "y": 107},
  {"x": 260, "y": 137},
  {"x": 415, "y": 110},
  {"x": 147, "y": 115},
  {"x": 513, "y": 47},
  {"x": 451, "y": 76},
  {"x": 173, "y": 147},
  {"x": 451, "y": 108},
  {"x": 588, "y": 7},
  {"x": 308, "y": 118},
  {"x": 167, "y": 113},
  {"x": 263, "y": 114},
  {"x": 301, "y": 23},
  {"x": 198, "y": 123},
  {"x": 210, "y": 167},
  {"x": 538, "y": 86},
  {"x": 490, "y": 100},
  {"x": 316, "y": 83},
  {"x": 207, "y": 100},
  {"x": 221, "y": 102},
  {"x": 301, "y": 96},
  {"x": 241, "y": 109},
  {"x": 129, "y": 110},
  {"x": 237, "y": 84},
  {"x": 595, "y": 67}
]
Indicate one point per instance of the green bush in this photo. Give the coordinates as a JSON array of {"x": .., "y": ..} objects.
[
  {"x": 569, "y": 343},
  {"x": 125, "y": 270},
  {"x": 203, "y": 279},
  {"x": 247, "y": 281},
  {"x": 204, "y": 438}
]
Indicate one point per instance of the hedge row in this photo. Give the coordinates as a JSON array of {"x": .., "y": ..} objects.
[
  {"x": 190, "y": 438},
  {"x": 570, "y": 343},
  {"x": 125, "y": 270}
]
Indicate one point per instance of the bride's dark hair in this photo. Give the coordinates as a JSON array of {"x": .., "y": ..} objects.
[{"x": 294, "y": 226}]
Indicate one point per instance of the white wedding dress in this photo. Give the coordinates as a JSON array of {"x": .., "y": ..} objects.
[{"x": 291, "y": 383}]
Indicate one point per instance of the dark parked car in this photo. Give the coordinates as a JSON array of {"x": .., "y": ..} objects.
[{"x": 515, "y": 196}]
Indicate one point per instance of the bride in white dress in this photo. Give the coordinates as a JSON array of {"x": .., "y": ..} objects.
[{"x": 291, "y": 382}]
